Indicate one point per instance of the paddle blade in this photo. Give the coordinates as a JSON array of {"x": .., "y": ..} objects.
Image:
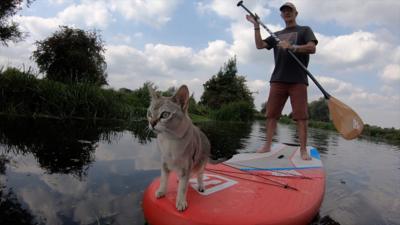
[{"x": 346, "y": 121}]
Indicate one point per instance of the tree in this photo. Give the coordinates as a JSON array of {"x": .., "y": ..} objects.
[
  {"x": 9, "y": 30},
  {"x": 226, "y": 87},
  {"x": 72, "y": 56},
  {"x": 169, "y": 92},
  {"x": 319, "y": 110},
  {"x": 143, "y": 94}
]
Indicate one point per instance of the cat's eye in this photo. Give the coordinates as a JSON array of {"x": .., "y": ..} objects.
[{"x": 165, "y": 114}]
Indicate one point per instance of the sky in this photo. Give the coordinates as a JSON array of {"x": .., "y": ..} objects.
[{"x": 177, "y": 42}]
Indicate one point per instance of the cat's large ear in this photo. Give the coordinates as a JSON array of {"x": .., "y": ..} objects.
[
  {"x": 182, "y": 97},
  {"x": 152, "y": 91}
]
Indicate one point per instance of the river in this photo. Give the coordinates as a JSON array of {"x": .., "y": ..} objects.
[{"x": 54, "y": 172}]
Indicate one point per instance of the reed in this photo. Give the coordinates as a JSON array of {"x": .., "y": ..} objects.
[{"x": 21, "y": 93}]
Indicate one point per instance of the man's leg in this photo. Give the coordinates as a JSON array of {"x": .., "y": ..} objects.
[
  {"x": 270, "y": 124},
  {"x": 302, "y": 131},
  {"x": 277, "y": 97},
  {"x": 298, "y": 99}
]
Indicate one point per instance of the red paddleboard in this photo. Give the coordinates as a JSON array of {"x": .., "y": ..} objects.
[{"x": 276, "y": 188}]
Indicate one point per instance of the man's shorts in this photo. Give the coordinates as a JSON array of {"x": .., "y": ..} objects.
[{"x": 279, "y": 93}]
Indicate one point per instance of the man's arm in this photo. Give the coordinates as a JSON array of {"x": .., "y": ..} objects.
[
  {"x": 260, "y": 44},
  {"x": 308, "y": 48}
]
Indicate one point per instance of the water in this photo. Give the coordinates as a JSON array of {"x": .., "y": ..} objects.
[{"x": 55, "y": 172}]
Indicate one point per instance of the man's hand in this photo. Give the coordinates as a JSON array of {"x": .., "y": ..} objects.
[
  {"x": 253, "y": 20},
  {"x": 285, "y": 45}
]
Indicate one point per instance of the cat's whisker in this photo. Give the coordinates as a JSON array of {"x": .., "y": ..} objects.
[{"x": 148, "y": 132}]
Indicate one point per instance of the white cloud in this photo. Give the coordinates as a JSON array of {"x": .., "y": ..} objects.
[
  {"x": 231, "y": 11},
  {"x": 244, "y": 45},
  {"x": 221, "y": 8},
  {"x": 152, "y": 12},
  {"x": 17, "y": 55},
  {"x": 99, "y": 13},
  {"x": 339, "y": 88},
  {"x": 168, "y": 58},
  {"x": 122, "y": 38},
  {"x": 216, "y": 53},
  {"x": 37, "y": 27},
  {"x": 391, "y": 73},
  {"x": 362, "y": 54},
  {"x": 58, "y": 2},
  {"x": 165, "y": 65},
  {"x": 92, "y": 14},
  {"x": 351, "y": 13},
  {"x": 257, "y": 84},
  {"x": 358, "y": 50}
]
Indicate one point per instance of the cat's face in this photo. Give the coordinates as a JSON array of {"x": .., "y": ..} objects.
[
  {"x": 168, "y": 113},
  {"x": 163, "y": 114}
]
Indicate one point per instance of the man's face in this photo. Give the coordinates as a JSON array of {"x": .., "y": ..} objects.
[{"x": 288, "y": 14}]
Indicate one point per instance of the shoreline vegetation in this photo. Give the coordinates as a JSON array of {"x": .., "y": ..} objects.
[{"x": 24, "y": 95}]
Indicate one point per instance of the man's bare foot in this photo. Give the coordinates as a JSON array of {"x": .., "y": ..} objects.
[
  {"x": 263, "y": 149},
  {"x": 304, "y": 155}
]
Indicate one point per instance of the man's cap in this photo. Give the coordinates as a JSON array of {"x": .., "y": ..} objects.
[{"x": 288, "y": 4}]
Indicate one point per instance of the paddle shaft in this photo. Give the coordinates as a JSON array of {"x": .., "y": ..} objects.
[{"x": 326, "y": 94}]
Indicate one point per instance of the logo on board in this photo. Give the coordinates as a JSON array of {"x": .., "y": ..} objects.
[{"x": 213, "y": 183}]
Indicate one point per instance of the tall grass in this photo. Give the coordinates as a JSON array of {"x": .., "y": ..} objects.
[{"x": 22, "y": 93}]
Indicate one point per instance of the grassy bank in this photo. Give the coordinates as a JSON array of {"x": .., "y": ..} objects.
[{"x": 25, "y": 95}]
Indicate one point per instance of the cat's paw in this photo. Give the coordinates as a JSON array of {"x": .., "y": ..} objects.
[
  {"x": 181, "y": 205},
  {"x": 160, "y": 193},
  {"x": 200, "y": 188}
]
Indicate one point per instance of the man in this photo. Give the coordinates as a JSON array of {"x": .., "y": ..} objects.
[{"x": 288, "y": 78}]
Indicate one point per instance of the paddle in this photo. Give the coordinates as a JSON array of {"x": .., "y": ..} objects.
[{"x": 346, "y": 121}]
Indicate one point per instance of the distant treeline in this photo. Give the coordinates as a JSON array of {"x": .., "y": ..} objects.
[{"x": 382, "y": 133}]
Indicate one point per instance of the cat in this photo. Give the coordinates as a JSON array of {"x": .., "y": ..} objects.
[{"x": 184, "y": 148}]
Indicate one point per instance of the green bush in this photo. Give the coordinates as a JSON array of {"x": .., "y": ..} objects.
[
  {"x": 235, "y": 111},
  {"x": 382, "y": 133}
]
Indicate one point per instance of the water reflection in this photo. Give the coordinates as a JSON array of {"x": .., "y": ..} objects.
[
  {"x": 226, "y": 138},
  {"x": 59, "y": 146},
  {"x": 11, "y": 210},
  {"x": 319, "y": 139},
  {"x": 74, "y": 172},
  {"x": 54, "y": 172},
  {"x": 287, "y": 133},
  {"x": 140, "y": 131},
  {"x": 3, "y": 162}
]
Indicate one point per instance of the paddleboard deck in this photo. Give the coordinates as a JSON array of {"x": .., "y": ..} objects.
[{"x": 276, "y": 187}]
